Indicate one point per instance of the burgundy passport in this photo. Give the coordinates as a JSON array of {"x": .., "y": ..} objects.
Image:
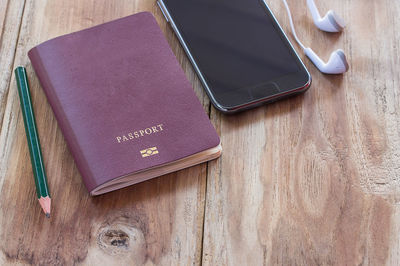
[{"x": 123, "y": 103}]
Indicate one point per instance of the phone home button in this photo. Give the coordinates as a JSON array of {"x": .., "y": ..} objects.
[{"x": 263, "y": 91}]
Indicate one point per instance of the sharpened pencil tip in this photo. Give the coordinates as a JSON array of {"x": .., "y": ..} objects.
[{"x": 45, "y": 203}]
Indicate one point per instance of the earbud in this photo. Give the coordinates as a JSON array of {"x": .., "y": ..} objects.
[
  {"x": 331, "y": 22},
  {"x": 337, "y": 63}
]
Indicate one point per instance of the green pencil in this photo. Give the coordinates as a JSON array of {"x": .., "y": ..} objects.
[{"x": 39, "y": 173}]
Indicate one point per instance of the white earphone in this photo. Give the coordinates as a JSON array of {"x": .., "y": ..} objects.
[{"x": 331, "y": 22}]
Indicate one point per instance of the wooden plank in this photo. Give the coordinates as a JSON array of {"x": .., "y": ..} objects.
[
  {"x": 10, "y": 21},
  {"x": 155, "y": 222},
  {"x": 314, "y": 180}
]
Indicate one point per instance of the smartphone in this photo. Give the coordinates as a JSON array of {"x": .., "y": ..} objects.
[{"x": 239, "y": 51}]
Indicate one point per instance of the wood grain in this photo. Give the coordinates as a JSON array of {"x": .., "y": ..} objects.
[
  {"x": 156, "y": 222},
  {"x": 312, "y": 180},
  {"x": 10, "y": 21}
]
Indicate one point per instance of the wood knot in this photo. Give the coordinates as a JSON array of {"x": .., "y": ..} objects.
[
  {"x": 116, "y": 238},
  {"x": 119, "y": 237}
]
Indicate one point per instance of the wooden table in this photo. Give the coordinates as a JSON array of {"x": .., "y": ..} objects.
[{"x": 312, "y": 180}]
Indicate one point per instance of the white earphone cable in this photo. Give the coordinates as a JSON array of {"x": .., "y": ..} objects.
[{"x": 292, "y": 25}]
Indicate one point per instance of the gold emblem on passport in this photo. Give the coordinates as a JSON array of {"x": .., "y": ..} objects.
[{"x": 149, "y": 152}]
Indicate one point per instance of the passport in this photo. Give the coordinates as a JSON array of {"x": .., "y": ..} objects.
[{"x": 123, "y": 103}]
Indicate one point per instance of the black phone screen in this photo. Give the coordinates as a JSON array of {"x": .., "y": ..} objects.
[{"x": 235, "y": 43}]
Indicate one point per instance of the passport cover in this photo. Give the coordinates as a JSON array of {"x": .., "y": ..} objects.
[{"x": 122, "y": 101}]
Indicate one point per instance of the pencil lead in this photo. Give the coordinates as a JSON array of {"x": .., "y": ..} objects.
[{"x": 47, "y": 215}]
